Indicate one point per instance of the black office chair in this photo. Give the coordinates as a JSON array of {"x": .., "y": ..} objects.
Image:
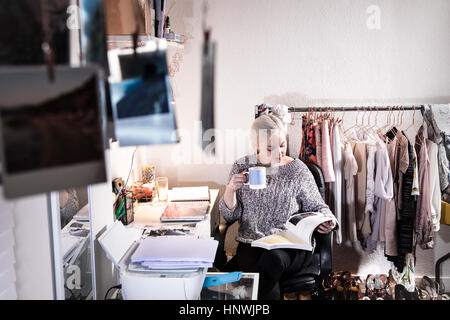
[{"x": 305, "y": 280}]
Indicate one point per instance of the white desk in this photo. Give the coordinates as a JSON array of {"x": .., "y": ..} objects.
[
  {"x": 160, "y": 285},
  {"x": 150, "y": 213}
]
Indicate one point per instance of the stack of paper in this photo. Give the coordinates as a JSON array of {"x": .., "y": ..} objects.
[
  {"x": 175, "y": 253},
  {"x": 189, "y": 194}
]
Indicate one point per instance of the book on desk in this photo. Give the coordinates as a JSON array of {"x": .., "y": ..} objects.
[{"x": 189, "y": 194}]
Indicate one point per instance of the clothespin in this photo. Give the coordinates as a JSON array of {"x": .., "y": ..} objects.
[{"x": 49, "y": 55}]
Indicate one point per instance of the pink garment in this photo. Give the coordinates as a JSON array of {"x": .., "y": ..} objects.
[
  {"x": 350, "y": 170},
  {"x": 360, "y": 153},
  {"x": 327, "y": 160}
]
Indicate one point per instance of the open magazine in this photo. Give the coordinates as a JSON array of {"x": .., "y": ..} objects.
[
  {"x": 298, "y": 234},
  {"x": 185, "y": 211}
]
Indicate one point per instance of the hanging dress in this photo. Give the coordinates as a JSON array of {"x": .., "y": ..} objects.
[
  {"x": 383, "y": 192},
  {"x": 435, "y": 190},
  {"x": 327, "y": 160},
  {"x": 388, "y": 229},
  {"x": 337, "y": 184},
  {"x": 350, "y": 170},
  {"x": 424, "y": 219},
  {"x": 366, "y": 228},
  {"x": 308, "y": 150},
  {"x": 407, "y": 212}
]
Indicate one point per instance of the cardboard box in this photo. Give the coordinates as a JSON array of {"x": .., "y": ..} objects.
[{"x": 121, "y": 17}]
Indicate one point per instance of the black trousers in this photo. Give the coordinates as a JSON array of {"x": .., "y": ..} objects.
[{"x": 271, "y": 265}]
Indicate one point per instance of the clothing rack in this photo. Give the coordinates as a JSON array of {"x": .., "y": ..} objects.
[
  {"x": 367, "y": 108},
  {"x": 398, "y": 108}
]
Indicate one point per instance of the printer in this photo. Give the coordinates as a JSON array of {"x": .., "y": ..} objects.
[{"x": 140, "y": 283}]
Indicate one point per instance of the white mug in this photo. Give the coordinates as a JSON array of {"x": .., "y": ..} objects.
[{"x": 256, "y": 177}]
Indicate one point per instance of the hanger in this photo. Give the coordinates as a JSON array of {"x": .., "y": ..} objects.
[
  {"x": 413, "y": 119},
  {"x": 292, "y": 119},
  {"x": 360, "y": 126},
  {"x": 343, "y": 114},
  {"x": 318, "y": 114},
  {"x": 328, "y": 114},
  {"x": 366, "y": 127},
  {"x": 402, "y": 111},
  {"x": 354, "y": 125},
  {"x": 373, "y": 127},
  {"x": 370, "y": 132},
  {"x": 393, "y": 127},
  {"x": 381, "y": 128},
  {"x": 309, "y": 114}
]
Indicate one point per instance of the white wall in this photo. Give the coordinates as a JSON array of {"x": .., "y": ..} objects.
[
  {"x": 304, "y": 53},
  {"x": 33, "y": 268}
]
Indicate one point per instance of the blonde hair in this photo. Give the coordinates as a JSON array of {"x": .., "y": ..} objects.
[{"x": 264, "y": 123}]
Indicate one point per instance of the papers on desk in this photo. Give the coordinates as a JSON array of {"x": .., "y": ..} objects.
[
  {"x": 189, "y": 194},
  {"x": 68, "y": 244},
  {"x": 175, "y": 253}
]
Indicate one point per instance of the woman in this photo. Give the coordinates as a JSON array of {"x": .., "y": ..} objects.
[{"x": 290, "y": 189}]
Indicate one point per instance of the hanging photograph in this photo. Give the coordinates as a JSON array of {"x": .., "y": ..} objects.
[
  {"x": 51, "y": 137},
  {"x": 142, "y": 98}
]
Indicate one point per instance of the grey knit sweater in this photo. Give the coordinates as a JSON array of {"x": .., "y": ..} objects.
[{"x": 290, "y": 188}]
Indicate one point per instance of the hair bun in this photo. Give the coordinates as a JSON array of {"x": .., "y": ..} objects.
[{"x": 282, "y": 112}]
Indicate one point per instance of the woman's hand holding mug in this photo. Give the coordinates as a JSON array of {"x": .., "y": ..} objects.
[{"x": 237, "y": 181}]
